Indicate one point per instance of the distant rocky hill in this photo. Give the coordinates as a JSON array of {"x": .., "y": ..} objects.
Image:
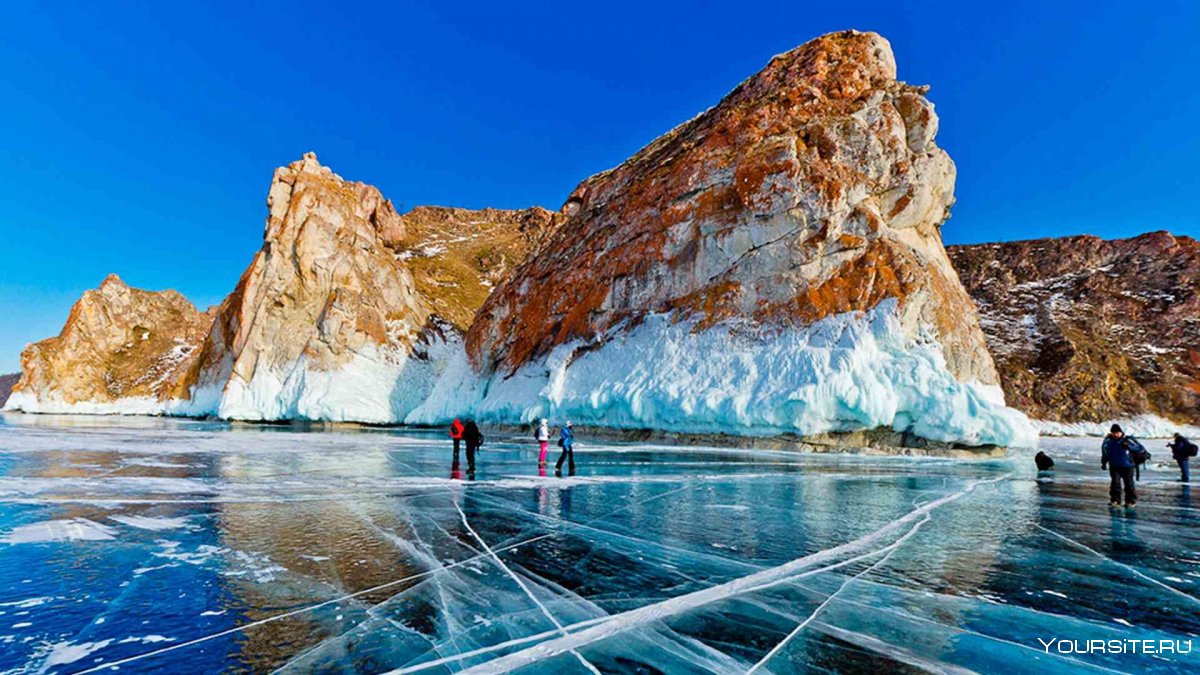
[
  {"x": 1088, "y": 330},
  {"x": 7, "y": 382},
  {"x": 119, "y": 344}
]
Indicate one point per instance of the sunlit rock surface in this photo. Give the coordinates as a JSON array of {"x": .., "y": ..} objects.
[
  {"x": 773, "y": 264},
  {"x": 349, "y": 312},
  {"x": 122, "y": 350}
]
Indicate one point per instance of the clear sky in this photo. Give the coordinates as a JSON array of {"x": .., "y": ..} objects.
[{"x": 141, "y": 139}]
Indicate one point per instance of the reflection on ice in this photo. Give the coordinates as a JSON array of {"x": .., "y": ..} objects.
[{"x": 198, "y": 546}]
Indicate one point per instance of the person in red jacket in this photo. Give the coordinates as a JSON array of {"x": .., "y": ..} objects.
[{"x": 456, "y": 433}]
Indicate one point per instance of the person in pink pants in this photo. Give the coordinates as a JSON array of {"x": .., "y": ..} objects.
[{"x": 543, "y": 439}]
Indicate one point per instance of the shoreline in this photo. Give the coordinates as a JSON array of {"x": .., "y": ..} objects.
[{"x": 876, "y": 442}]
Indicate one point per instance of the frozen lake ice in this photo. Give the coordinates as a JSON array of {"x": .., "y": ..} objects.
[{"x": 189, "y": 546}]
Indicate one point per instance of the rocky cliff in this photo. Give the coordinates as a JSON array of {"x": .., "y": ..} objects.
[
  {"x": 121, "y": 350},
  {"x": 349, "y": 312},
  {"x": 457, "y": 256},
  {"x": 773, "y": 264},
  {"x": 1087, "y": 330}
]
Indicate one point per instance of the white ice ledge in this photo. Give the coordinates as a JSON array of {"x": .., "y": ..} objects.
[{"x": 847, "y": 372}]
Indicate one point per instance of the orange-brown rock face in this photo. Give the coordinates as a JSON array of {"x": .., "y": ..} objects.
[
  {"x": 710, "y": 270},
  {"x": 121, "y": 350},
  {"x": 813, "y": 189}
]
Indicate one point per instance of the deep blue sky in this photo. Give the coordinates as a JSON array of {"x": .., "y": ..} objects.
[{"x": 141, "y": 140}]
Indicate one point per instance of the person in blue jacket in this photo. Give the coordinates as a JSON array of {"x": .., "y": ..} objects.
[
  {"x": 566, "y": 441},
  {"x": 1114, "y": 456}
]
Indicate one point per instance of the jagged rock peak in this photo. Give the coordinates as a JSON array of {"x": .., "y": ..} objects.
[
  {"x": 813, "y": 188},
  {"x": 119, "y": 344},
  {"x": 807, "y": 203},
  {"x": 307, "y": 187}
]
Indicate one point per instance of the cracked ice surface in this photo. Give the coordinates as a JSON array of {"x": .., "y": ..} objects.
[{"x": 201, "y": 546}]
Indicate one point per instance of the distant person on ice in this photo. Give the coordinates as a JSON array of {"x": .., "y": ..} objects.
[
  {"x": 543, "y": 438},
  {"x": 474, "y": 440},
  {"x": 1181, "y": 451},
  {"x": 566, "y": 441},
  {"x": 1043, "y": 461},
  {"x": 456, "y": 435},
  {"x": 1118, "y": 455}
]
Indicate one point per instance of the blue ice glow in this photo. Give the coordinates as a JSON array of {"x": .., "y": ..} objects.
[{"x": 203, "y": 546}]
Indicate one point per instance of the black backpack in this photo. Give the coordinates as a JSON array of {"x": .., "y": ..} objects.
[
  {"x": 1138, "y": 453},
  {"x": 1191, "y": 448}
]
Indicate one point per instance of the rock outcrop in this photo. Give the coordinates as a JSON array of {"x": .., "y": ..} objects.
[
  {"x": 323, "y": 321},
  {"x": 1088, "y": 330},
  {"x": 773, "y": 264},
  {"x": 121, "y": 351},
  {"x": 350, "y": 310},
  {"x": 457, "y": 256},
  {"x": 7, "y": 382}
]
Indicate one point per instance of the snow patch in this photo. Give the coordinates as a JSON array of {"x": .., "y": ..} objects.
[
  {"x": 76, "y": 529},
  {"x": 377, "y": 386},
  {"x": 150, "y": 523},
  {"x": 1143, "y": 426},
  {"x": 68, "y": 652},
  {"x": 21, "y": 401}
]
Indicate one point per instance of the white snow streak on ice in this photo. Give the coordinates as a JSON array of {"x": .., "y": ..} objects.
[
  {"x": 521, "y": 583},
  {"x": 150, "y": 523},
  {"x": 677, "y": 605},
  {"x": 890, "y": 550},
  {"x": 78, "y": 529},
  {"x": 1133, "y": 570}
]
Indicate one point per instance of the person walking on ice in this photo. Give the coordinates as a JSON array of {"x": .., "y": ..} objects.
[
  {"x": 543, "y": 438},
  {"x": 456, "y": 435},
  {"x": 474, "y": 440},
  {"x": 566, "y": 441},
  {"x": 1118, "y": 454},
  {"x": 1181, "y": 451}
]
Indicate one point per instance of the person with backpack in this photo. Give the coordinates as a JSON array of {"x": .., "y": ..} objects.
[
  {"x": 474, "y": 440},
  {"x": 1117, "y": 456},
  {"x": 1181, "y": 451},
  {"x": 566, "y": 441},
  {"x": 542, "y": 435},
  {"x": 1043, "y": 461},
  {"x": 456, "y": 435}
]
